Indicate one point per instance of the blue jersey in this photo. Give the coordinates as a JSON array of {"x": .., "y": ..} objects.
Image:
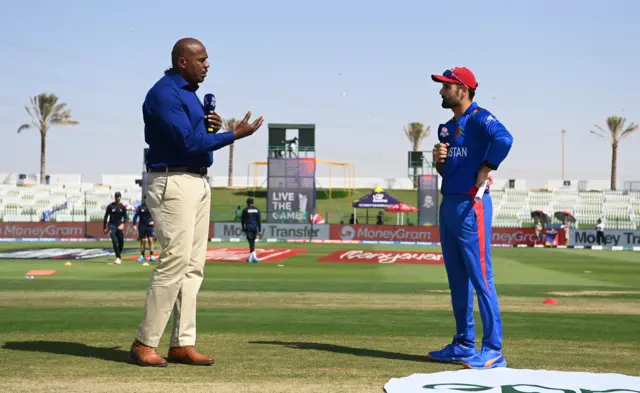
[
  {"x": 143, "y": 213},
  {"x": 251, "y": 219},
  {"x": 476, "y": 138}
]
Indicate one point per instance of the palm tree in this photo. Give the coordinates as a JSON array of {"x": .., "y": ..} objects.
[
  {"x": 416, "y": 132},
  {"x": 229, "y": 125},
  {"x": 45, "y": 112},
  {"x": 617, "y": 131}
]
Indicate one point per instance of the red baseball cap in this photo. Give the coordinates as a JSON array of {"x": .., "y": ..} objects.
[{"x": 457, "y": 75}]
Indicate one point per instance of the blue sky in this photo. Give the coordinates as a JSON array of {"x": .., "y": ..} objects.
[{"x": 541, "y": 66}]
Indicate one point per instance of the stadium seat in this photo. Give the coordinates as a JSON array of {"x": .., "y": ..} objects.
[{"x": 511, "y": 207}]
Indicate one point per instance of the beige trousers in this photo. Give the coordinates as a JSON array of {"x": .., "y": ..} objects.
[{"x": 179, "y": 204}]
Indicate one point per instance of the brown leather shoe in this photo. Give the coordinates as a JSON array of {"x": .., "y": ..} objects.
[
  {"x": 188, "y": 355},
  {"x": 145, "y": 356}
]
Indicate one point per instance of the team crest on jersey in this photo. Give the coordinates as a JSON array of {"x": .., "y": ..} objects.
[
  {"x": 459, "y": 132},
  {"x": 444, "y": 132}
]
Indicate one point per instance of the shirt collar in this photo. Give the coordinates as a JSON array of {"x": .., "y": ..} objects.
[
  {"x": 180, "y": 81},
  {"x": 471, "y": 108}
]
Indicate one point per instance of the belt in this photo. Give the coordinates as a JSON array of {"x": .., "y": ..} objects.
[{"x": 184, "y": 169}]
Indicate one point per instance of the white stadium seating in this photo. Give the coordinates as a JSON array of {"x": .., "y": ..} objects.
[
  {"x": 25, "y": 200},
  {"x": 619, "y": 209},
  {"x": 27, "y": 203}
]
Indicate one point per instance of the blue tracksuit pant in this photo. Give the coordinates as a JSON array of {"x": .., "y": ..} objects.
[{"x": 465, "y": 235}]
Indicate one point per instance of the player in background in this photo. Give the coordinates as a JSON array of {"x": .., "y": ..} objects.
[
  {"x": 145, "y": 229},
  {"x": 116, "y": 217},
  {"x": 252, "y": 227},
  {"x": 472, "y": 144}
]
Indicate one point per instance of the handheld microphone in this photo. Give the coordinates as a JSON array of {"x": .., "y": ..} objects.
[
  {"x": 443, "y": 137},
  {"x": 209, "y": 106}
]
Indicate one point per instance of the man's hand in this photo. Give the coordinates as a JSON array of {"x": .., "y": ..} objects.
[
  {"x": 214, "y": 121},
  {"x": 135, "y": 227},
  {"x": 484, "y": 174},
  {"x": 106, "y": 231},
  {"x": 151, "y": 223},
  {"x": 259, "y": 235},
  {"x": 245, "y": 129},
  {"x": 121, "y": 227},
  {"x": 440, "y": 151}
]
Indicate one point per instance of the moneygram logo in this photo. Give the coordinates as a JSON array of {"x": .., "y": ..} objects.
[
  {"x": 381, "y": 233},
  {"x": 513, "y": 237},
  {"x": 347, "y": 233},
  {"x": 41, "y": 230}
]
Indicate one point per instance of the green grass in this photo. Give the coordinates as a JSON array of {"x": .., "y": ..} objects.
[
  {"x": 334, "y": 208},
  {"x": 306, "y": 326}
]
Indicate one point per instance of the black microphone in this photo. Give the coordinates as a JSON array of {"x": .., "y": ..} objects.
[{"x": 209, "y": 106}]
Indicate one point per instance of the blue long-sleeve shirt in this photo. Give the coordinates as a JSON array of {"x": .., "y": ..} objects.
[
  {"x": 477, "y": 138},
  {"x": 175, "y": 128}
]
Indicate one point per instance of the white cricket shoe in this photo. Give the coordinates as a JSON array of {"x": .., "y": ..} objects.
[{"x": 117, "y": 261}]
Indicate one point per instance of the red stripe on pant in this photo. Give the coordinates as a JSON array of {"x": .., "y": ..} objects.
[{"x": 479, "y": 209}]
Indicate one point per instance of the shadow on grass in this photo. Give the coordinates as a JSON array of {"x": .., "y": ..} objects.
[
  {"x": 69, "y": 348},
  {"x": 373, "y": 353}
]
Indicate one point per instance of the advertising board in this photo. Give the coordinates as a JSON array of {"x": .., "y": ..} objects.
[
  {"x": 382, "y": 257},
  {"x": 63, "y": 230},
  {"x": 427, "y": 234},
  {"x": 291, "y": 189},
  {"x": 580, "y": 237},
  {"x": 42, "y": 230},
  {"x": 274, "y": 231}
]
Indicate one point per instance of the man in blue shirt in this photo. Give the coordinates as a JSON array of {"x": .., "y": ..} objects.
[
  {"x": 472, "y": 145},
  {"x": 179, "y": 198}
]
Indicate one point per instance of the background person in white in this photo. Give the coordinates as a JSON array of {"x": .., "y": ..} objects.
[{"x": 600, "y": 232}]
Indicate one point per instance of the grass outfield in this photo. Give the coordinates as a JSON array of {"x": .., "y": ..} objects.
[
  {"x": 334, "y": 209},
  {"x": 303, "y": 326}
]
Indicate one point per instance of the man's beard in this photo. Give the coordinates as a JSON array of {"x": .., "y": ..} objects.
[{"x": 449, "y": 103}]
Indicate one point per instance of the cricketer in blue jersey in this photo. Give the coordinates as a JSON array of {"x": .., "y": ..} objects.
[
  {"x": 252, "y": 227},
  {"x": 143, "y": 223},
  {"x": 472, "y": 145},
  {"x": 116, "y": 217}
]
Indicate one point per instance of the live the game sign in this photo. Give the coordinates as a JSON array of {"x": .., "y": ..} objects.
[{"x": 359, "y": 256}]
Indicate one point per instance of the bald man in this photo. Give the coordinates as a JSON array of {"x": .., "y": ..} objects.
[{"x": 179, "y": 198}]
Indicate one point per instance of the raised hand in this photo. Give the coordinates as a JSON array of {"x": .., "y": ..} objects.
[{"x": 244, "y": 128}]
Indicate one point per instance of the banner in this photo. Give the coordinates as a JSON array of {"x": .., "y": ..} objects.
[
  {"x": 579, "y": 237},
  {"x": 240, "y": 254},
  {"x": 63, "y": 230},
  {"x": 62, "y": 253},
  {"x": 42, "y": 230},
  {"x": 384, "y": 233},
  {"x": 291, "y": 189},
  {"x": 274, "y": 231},
  {"x": 382, "y": 257},
  {"x": 503, "y": 380},
  {"x": 428, "y": 198},
  {"x": 499, "y": 236}
]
